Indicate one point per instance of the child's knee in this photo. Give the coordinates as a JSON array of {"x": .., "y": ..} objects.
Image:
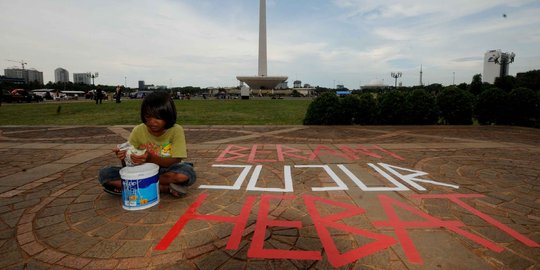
[{"x": 108, "y": 173}]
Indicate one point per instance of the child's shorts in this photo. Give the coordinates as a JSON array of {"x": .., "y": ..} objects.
[{"x": 111, "y": 173}]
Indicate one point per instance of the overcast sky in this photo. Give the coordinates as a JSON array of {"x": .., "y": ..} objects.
[{"x": 321, "y": 42}]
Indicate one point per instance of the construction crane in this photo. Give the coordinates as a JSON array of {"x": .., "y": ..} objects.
[{"x": 20, "y": 62}]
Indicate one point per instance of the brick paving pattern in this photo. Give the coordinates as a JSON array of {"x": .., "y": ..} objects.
[{"x": 299, "y": 191}]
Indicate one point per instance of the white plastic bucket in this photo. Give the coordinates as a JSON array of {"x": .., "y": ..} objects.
[{"x": 140, "y": 186}]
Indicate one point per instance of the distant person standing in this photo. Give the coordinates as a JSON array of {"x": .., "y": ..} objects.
[
  {"x": 118, "y": 93},
  {"x": 99, "y": 95}
]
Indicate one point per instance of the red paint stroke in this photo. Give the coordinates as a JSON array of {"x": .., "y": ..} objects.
[
  {"x": 257, "y": 250},
  {"x": 400, "y": 227},
  {"x": 232, "y": 152},
  {"x": 238, "y": 221},
  {"x": 283, "y": 151},
  {"x": 323, "y": 150},
  {"x": 358, "y": 149},
  {"x": 389, "y": 152},
  {"x": 253, "y": 154},
  {"x": 336, "y": 258},
  {"x": 456, "y": 198}
]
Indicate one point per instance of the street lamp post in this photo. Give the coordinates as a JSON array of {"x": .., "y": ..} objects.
[
  {"x": 395, "y": 75},
  {"x": 504, "y": 59},
  {"x": 94, "y": 75}
]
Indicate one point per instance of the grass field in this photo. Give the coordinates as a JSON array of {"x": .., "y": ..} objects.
[{"x": 190, "y": 112}]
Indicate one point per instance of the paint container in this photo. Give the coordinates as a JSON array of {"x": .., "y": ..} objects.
[{"x": 140, "y": 186}]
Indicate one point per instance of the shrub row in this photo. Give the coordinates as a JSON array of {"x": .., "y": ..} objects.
[{"x": 452, "y": 106}]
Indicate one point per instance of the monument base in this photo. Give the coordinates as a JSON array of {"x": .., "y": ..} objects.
[{"x": 262, "y": 82}]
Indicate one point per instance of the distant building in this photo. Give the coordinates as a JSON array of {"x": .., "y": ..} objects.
[
  {"x": 283, "y": 85},
  {"x": 28, "y": 75},
  {"x": 61, "y": 75},
  {"x": 34, "y": 76},
  {"x": 11, "y": 80},
  {"x": 375, "y": 85},
  {"x": 83, "y": 78},
  {"x": 297, "y": 84},
  {"x": 142, "y": 86},
  {"x": 496, "y": 64}
]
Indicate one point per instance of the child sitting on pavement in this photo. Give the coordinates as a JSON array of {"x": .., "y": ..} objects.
[{"x": 165, "y": 145}]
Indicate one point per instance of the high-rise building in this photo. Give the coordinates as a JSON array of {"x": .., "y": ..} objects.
[
  {"x": 28, "y": 75},
  {"x": 82, "y": 78},
  {"x": 496, "y": 64},
  {"x": 61, "y": 75}
]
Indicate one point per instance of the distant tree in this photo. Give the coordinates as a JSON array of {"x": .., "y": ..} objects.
[
  {"x": 421, "y": 108},
  {"x": 523, "y": 106},
  {"x": 434, "y": 88},
  {"x": 476, "y": 85},
  {"x": 392, "y": 107},
  {"x": 295, "y": 93},
  {"x": 456, "y": 106},
  {"x": 492, "y": 107},
  {"x": 323, "y": 110},
  {"x": 349, "y": 110},
  {"x": 529, "y": 79},
  {"x": 505, "y": 83},
  {"x": 463, "y": 86},
  {"x": 367, "y": 110}
]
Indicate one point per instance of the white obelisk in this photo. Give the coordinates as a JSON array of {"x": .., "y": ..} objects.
[
  {"x": 262, "y": 81},
  {"x": 262, "y": 39}
]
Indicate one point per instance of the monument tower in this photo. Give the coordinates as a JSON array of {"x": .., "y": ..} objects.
[{"x": 262, "y": 81}]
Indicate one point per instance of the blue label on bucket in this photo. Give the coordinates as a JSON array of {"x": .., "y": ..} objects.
[{"x": 140, "y": 193}]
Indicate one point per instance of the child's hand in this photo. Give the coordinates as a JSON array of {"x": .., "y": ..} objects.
[
  {"x": 120, "y": 154},
  {"x": 139, "y": 159}
]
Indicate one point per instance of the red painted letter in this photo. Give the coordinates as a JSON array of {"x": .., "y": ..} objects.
[
  {"x": 322, "y": 223},
  {"x": 236, "y": 235},
  {"x": 456, "y": 198},
  {"x": 400, "y": 227},
  {"x": 257, "y": 250}
]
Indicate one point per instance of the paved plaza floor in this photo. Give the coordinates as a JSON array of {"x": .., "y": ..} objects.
[{"x": 280, "y": 197}]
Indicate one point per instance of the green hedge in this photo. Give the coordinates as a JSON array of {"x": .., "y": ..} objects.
[
  {"x": 455, "y": 106},
  {"x": 450, "y": 105},
  {"x": 491, "y": 107}
]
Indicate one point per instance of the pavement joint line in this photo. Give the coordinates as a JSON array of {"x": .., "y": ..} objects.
[
  {"x": 259, "y": 134},
  {"x": 122, "y": 132},
  {"x": 29, "y": 186},
  {"x": 36, "y": 130},
  {"x": 28, "y": 177}
]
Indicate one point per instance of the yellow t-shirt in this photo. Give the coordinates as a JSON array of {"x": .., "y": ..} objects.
[{"x": 172, "y": 143}]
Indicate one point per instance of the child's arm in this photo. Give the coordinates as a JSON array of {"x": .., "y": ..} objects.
[
  {"x": 120, "y": 154},
  {"x": 161, "y": 161}
]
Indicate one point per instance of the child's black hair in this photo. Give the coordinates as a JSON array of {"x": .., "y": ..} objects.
[{"x": 161, "y": 106}]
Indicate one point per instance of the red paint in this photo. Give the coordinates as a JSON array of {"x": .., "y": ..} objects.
[
  {"x": 322, "y": 150},
  {"x": 236, "y": 235},
  {"x": 285, "y": 151},
  {"x": 257, "y": 249},
  {"x": 388, "y": 152},
  {"x": 281, "y": 153},
  {"x": 322, "y": 224},
  {"x": 456, "y": 198},
  {"x": 253, "y": 154},
  {"x": 232, "y": 152},
  {"x": 358, "y": 149},
  {"x": 401, "y": 226},
  {"x": 336, "y": 221}
]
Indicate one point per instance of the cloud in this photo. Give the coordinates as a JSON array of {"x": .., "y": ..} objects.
[{"x": 209, "y": 42}]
